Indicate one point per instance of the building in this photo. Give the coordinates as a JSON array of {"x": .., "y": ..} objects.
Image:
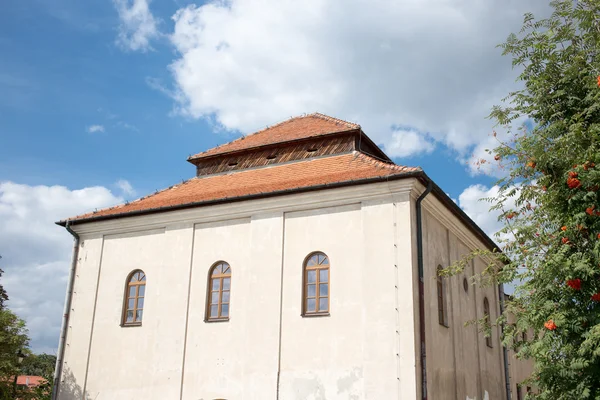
[
  {"x": 300, "y": 263},
  {"x": 29, "y": 381}
]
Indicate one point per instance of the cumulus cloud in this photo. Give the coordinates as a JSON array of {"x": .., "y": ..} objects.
[
  {"x": 409, "y": 142},
  {"x": 36, "y": 252},
  {"x": 125, "y": 187},
  {"x": 471, "y": 201},
  {"x": 475, "y": 201},
  {"x": 431, "y": 65},
  {"x": 137, "y": 25},
  {"x": 95, "y": 128}
]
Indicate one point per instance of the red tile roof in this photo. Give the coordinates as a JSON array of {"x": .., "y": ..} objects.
[
  {"x": 292, "y": 129},
  {"x": 276, "y": 178},
  {"x": 29, "y": 380}
]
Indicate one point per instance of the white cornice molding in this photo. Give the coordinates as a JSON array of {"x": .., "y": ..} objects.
[{"x": 399, "y": 188}]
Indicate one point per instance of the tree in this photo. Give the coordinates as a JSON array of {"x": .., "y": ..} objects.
[
  {"x": 13, "y": 339},
  {"x": 39, "y": 364},
  {"x": 549, "y": 199},
  {"x": 3, "y": 295}
]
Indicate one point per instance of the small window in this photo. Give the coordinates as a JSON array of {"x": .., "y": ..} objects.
[
  {"x": 486, "y": 312},
  {"x": 135, "y": 291},
  {"x": 316, "y": 285},
  {"x": 219, "y": 287},
  {"x": 441, "y": 292}
]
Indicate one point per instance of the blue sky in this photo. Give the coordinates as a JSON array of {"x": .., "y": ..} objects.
[
  {"x": 102, "y": 101},
  {"x": 63, "y": 73}
]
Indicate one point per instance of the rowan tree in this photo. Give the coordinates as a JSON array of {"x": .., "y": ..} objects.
[{"x": 550, "y": 152}]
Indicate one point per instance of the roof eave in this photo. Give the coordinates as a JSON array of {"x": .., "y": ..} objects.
[
  {"x": 372, "y": 143},
  {"x": 439, "y": 193},
  {"x": 400, "y": 175}
]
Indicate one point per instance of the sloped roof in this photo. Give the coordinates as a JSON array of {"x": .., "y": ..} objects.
[
  {"x": 296, "y": 128},
  {"x": 30, "y": 380},
  {"x": 271, "y": 180}
]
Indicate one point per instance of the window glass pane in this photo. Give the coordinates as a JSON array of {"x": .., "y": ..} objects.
[
  {"x": 226, "y": 283},
  {"x": 140, "y": 304},
  {"x": 213, "y": 311},
  {"x": 133, "y": 278},
  {"x": 131, "y": 291},
  {"x": 312, "y": 261},
  {"x": 141, "y": 290},
  {"x": 214, "y": 298},
  {"x": 138, "y": 315},
  {"x": 226, "y": 268},
  {"x": 324, "y": 275},
  {"x": 323, "y": 304},
  {"x": 323, "y": 289},
  {"x": 225, "y": 310},
  {"x": 217, "y": 270},
  {"x": 130, "y": 304},
  {"x": 216, "y": 284},
  {"x": 311, "y": 291},
  {"x": 143, "y": 277},
  {"x": 312, "y": 276},
  {"x": 225, "y": 298},
  {"x": 325, "y": 261},
  {"x": 129, "y": 316},
  {"x": 311, "y": 305}
]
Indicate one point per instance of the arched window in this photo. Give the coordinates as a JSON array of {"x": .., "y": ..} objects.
[
  {"x": 218, "y": 292},
  {"x": 486, "y": 312},
  {"x": 316, "y": 284},
  {"x": 135, "y": 291},
  {"x": 441, "y": 296}
]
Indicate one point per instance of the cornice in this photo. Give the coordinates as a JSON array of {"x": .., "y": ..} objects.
[{"x": 400, "y": 188}]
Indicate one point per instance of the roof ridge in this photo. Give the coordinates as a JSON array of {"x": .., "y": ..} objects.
[
  {"x": 321, "y": 116},
  {"x": 393, "y": 166},
  {"x": 333, "y": 119}
]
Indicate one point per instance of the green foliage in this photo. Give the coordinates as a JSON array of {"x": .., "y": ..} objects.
[
  {"x": 549, "y": 199},
  {"x": 39, "y": 365},
  {"x": 3, "y": 295},
  {"x": 13, "y": 338},
  {"x": 44, "y": 390}
]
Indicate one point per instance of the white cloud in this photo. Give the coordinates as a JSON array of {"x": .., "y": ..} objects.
[
  {"x": 36, "y": 252},
  {"x": 125, "y": 125},
  {"x": 125, "y": 187},
  {"x": 430, "y": 65},
  {"x": 470, "y": 200},
  {"x": 138, "y": 26},
  {"x": 95, "y": 128},
  {"x": 409, "y": 142}
]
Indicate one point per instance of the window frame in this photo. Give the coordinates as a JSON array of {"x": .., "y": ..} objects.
[
  {"x": 487, "y": 315},
  {"x": 317, "y": 283},
  {"x": 126, "y": 298},
  {"x": 209, "y": 292},
  {"x": 441, "y": 298}
]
